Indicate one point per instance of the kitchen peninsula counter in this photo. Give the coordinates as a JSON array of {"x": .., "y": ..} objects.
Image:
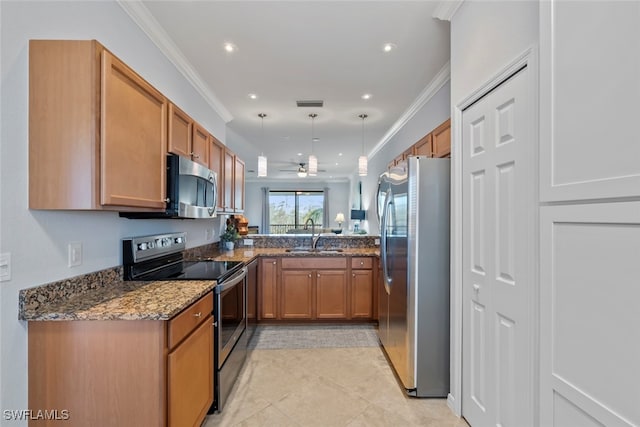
[{"x": 247, "y": 254}]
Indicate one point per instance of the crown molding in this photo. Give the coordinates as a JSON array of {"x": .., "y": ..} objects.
[
  {"x": 427, "y": 93},
  {"x": 150, "y": 26},
  {"x": 446, "y": 9}
]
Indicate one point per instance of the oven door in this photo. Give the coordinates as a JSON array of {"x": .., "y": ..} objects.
[{"x": 230, "y": 313}]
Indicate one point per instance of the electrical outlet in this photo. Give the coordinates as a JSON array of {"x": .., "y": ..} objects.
[
  {"x": 376, "y": 242},
  {"x": 247, "y": 242},
  {"x": 5, "y": 267},
  {"x": 74, "y": 254}
]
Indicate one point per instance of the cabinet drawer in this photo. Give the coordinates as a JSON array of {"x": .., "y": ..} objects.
[
  {"x": 314, "y": 262},
  {"x": 185, "y": 322},
  {"x": 361, "y": 263}
]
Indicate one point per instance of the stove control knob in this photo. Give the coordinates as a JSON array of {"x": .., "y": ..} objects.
[
  {"x": 159, "y": 243},
  {"x": 142, "y": 246},
  {"x": 151, "y": 245},
  {"x": 179, "y": 240}
]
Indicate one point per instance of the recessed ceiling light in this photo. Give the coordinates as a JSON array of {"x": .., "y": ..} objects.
[
  {"x": 366, "y": 96},
  {"x": 316, "y": 139},
  {"x": 336, "y": 163},
  {"x": 339, "y": 154},
  {"x": 253, "y": 96},
  {"x": 230, "y": 47},
  {"x": 299, "y": 154},
  {"x": 388, "y": 47}
]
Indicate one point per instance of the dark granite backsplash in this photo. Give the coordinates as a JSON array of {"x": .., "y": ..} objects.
[
  {"x": 32, "y": 298},
  {"x": 325, "y": 241}
]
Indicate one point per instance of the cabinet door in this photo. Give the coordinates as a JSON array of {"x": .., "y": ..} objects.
[
  {"x": 297, "y": 294},
  {"x": 362, "y": 294},
  {"x": 190, "y": 378},
  {"x": 238, "y": 185},
  {"x": 216, "y": 164},
  {"x": 408, "y": 152},
  {"x": 133, "y": 138},
  {"x": 331, "y": 294},
  {"x": 267, "y": 289},
  {"x": 180, "y": 132},
  {"x": 200, "y": 147},
  {"x": 424, "y": 147},
  {"x": 229, "y": 163},
  {"x": 252, "y": 289},
  {"x": 441, "y": 137}
]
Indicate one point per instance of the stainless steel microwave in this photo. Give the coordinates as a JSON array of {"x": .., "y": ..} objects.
[{"x": 191, "y": 191}]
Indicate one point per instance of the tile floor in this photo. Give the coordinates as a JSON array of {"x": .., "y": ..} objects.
[{"x": 325, "y": 387}]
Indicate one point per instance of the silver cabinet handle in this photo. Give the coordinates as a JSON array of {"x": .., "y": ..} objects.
[
  {"x": 195, "y": 156},
  {"x": 309, "y": 274},
  {"x": 318, "y": 274},
  {"x": 198, "y": 314}
]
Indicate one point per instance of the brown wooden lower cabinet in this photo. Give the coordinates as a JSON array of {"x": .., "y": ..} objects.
[
  {"x": 296, "y": 295},
  {"x": 124, "y": 373},
  {"x": 362, "y": 294},
  {"x": 331, "y": 294},
  {"x": 267, "y": 289},
  {"x": 317, "y": 288}
]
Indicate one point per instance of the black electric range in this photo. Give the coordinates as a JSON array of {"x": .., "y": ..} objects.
[{"x": 159, "y": 257}]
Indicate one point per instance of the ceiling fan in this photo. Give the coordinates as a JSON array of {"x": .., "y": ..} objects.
[{"x": 301, "y": 170}]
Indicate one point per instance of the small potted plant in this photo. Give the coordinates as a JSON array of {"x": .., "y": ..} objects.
[{"x": 229, "y": 237}]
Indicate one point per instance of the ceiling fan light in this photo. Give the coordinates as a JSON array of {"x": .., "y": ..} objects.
[
  {"x": 362, "y": 165},
  {"x": 302, "y": 174},
  {"x": 313, "y": 165},
  {"x": 262, "y": 166}
]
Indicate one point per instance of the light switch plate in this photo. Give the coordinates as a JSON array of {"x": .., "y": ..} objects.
[
  {"x": 74, "y": 254},
  {"x": 377, "y": 242},
  {"x": 247, "y": 242},
  {"x": 5, "y": 267}
]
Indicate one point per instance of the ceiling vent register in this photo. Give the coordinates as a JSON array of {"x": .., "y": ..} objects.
[{"x": 312, "y": 103}]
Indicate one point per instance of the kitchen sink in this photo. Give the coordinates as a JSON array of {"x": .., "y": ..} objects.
[{"x": 313, "y": 251}]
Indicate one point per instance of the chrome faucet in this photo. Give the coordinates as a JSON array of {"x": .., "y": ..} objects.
[{"x": 314, "y": 238}]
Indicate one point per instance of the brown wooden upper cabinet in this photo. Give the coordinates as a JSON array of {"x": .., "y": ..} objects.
[
  {"x": 442, "y": 140},
  {"x": 238, "y": 183},
  {"x": 187, "y": 138},
  {"x": 233, "y": 178},
  {"x": 435, "y": 144},
  {"x": 180, "y": 131},
  {"x": 228, "y": 176},
  {"x": 97, "y": 131},
  {"x": 216, "y": 164},
  {"x": 424, "y": 147},
  {"x": 201, "y": 145}
]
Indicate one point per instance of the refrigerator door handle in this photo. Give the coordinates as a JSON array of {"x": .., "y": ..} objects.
[{"x": 383, "y": 249}]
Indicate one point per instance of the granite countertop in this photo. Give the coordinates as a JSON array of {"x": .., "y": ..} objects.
[
  {"x": 104, "y": 295},
  {"x": 247, "y": 254},
  {"x": 122, "y": 300}
]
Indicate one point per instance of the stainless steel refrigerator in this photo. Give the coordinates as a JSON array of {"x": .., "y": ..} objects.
[{"x": 414, "y": 301}]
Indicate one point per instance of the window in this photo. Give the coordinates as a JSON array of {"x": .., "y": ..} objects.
[{"x": 289, "y": 210}]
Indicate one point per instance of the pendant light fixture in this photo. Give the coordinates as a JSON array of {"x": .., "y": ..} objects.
[
  {"x": 362, "y": 160},
  {"x": 313, "y": 160},
  {"x": 262, "y": 159}
]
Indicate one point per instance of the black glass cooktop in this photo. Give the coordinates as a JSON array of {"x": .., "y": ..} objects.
[
  {"x": 197, "y": 270},
  {"x": 204, "y": 270}
]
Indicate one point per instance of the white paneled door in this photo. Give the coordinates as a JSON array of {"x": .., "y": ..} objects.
[{"x": 498, "y": 203}]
